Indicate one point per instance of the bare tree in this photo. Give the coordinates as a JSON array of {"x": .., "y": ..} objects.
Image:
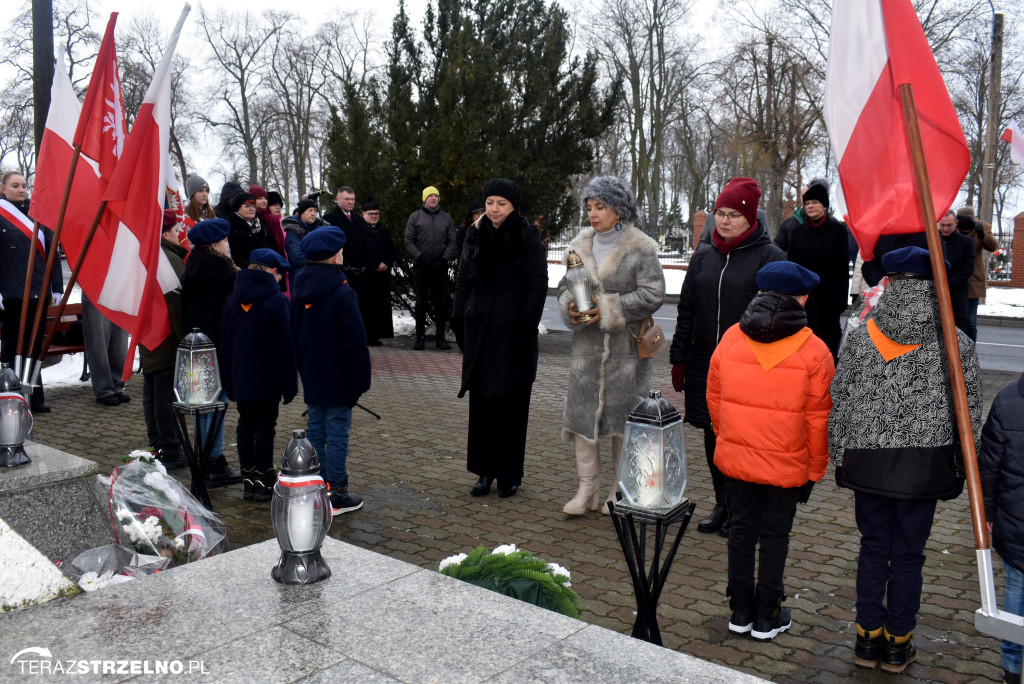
[{"x": 239, "y": 43}]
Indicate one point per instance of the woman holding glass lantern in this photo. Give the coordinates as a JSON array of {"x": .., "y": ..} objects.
[
  {"x": 499, "y": 299},
  {"x": 606, "y": 377}
]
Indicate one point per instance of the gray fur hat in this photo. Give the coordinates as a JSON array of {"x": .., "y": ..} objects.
[{"x": 615, "y": 193}]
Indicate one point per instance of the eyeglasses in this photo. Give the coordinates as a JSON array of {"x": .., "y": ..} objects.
[
  {"x": 732, "y": 215},
  {"x": 372, "y": 213}
]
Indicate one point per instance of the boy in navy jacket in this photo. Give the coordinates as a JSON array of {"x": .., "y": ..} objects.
[
  {"x": 330, "y": 343},
  {"x": 259, "y": 365}
]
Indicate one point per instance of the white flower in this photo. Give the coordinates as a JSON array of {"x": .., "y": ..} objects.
[
  {"x": 151, "y": 528},
  {"x": 452, "y": 560},
  {"x": 91, "y": 581},
  {"x": 504, "y": 549},
  {"x": 179, "y": 543},
  {"x": 557, "y": 570},
  {"x": 124, "y": 514}
]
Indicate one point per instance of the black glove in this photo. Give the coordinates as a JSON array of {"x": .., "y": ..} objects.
[
  {"x": 979, "y": 228},
  {"x": 805, "y": 492},
  {"x": 287, "y": 400}
]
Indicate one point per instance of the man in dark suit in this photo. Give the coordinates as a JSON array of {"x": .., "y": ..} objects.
[
  {"x": 959, "y": 250},
  {"x": 352, "y": 224}
]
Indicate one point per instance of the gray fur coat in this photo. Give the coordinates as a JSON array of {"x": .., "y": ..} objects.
[{"x": 606, "y": 379}]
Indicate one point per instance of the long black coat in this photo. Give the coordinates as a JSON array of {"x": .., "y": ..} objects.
[
  {"x": 716, "y": 292},
  {"x": 14, "y": 252},
  {"x": 208, "y": 282},
  {"x": 499, "y": 300},
  {"x": 244, "y": 239},
  {"x": 375, "y": 290},
  {"x": 356, "y": 256},
  {"x": 959, "y": 250},
  {"x": 1001, "y": 463},
  {"x": 822, "y": 249}
]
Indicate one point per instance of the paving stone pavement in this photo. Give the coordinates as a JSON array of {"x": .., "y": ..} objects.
[{"x": 410, "y": 468}]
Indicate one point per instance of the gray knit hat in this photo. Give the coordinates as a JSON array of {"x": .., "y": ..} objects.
[
  {"x": 194, "y": 183},
  {"x": 615, "y": 193}
]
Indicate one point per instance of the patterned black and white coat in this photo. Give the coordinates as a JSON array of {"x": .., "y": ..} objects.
[
  {"x": 892, "y": 429},
  {"x": 606, "y": 378}
]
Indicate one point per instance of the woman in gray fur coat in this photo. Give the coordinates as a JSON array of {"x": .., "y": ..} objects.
[{"x": 606, "y": 379}]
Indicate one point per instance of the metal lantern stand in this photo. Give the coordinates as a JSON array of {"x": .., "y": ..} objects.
[
  {"x": 197, "y": 451},
  {"x": 648, "y": 585}
]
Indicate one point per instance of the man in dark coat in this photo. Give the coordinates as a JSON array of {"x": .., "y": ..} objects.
[
  {"x": 1001, "y": 464},
  {"x": 818, "y": 242},
  {"x": 375, "y": 293},
  {"x": 15, "y": 246},
  {"x": 330, "y": 345},
  {"x": 720, "y": 282},
  {"x": 893, "y": 439},
  {"x": 158, "y": 363},
  {"x": 430, "y": 242},
  {"x": 259, "y": 365},
  {"x": 352, "y": 224},
  {"x": 959, "y": 251},
  {"x": 981, "y": 234}
]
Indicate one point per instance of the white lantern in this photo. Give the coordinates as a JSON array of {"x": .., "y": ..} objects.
[
  {"x": 580, "y": 284},
  {"x": 196, "y": 371},
  {"x": 652, "y": 470},
  {"x": 15, "y": 420},
  {"x": 301, "y": 514}
]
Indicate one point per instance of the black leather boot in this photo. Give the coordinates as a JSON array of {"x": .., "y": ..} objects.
[
  {"x": 868, "y": 647},
  {"x": 220, "y": 474},
  {"x": 714, "y": 522},
  {"x": 897, "y": 652},
  {"x": 482, "y": 486}
]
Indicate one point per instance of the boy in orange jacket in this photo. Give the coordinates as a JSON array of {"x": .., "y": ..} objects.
[{"x": 769, "y": 402}]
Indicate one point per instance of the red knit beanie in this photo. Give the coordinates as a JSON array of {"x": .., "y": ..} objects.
[
  {"x": 257, "y": 191},
  {"x": 742, "y": 195}
]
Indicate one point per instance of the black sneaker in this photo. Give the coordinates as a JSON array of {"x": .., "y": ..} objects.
[
  {"x": 220, "y": 474},
  {"x": 344, "y": 502},
  {"x": 742, "y": 619},
  {"x": 108, "y": 400},
  {"x": 868, "y": 647},
  {"x": 123, "y": 397},
  {"x": 420, "y": 344},
  {"x": 897, "y": 652},
  {"x": 771, "y": 619}
]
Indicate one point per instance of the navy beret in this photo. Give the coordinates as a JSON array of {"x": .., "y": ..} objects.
[
  {"x": 208, "y": 232},
  {"x": 323, "y": 243},
  {"x": 915, "y": 260},
  {"x": 787, "y": 277},
  {"x": 268, "y": 257}
]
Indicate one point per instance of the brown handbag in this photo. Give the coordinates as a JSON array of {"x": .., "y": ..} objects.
[{"x": 651, "y": 339}]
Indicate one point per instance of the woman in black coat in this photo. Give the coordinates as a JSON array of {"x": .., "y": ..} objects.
[
  {"x": 721, "y": 279},
  {"x": 499, "y": 299}
]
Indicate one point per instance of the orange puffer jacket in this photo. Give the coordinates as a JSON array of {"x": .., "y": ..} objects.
[{"x": 769, "y": 405}]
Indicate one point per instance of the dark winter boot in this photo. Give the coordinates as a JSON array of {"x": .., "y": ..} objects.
[
  {"x": 420, "y": 343},
  {"x": 713, "y": 523},
  {"x": 770, "y": 618},
  {"x": 868, "y": 647},
  {"x": 220, "y": 474},
  {"x": 342, "y": 501},
  {"x": 248, "y": 483},
  {"x": 897, "y": 652},
  {"x": 741, "y": 602},
  {"x": 1011, "y": 677},
  {"x": 263, "y": 485}
]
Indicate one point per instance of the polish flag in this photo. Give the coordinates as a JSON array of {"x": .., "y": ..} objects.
[
  {"x": 877, "y": 46},
  {"x": 136, "y": 196},
  {"x": 1013, "y": 136}
]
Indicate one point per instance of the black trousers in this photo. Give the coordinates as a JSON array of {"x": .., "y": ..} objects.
[
  {"x": 717, "y": 478},
  {"x": 10, "y": 318},
  {"x": 430, "y": 283},
  {"x": 161, "y": 423},
  {"x": 257, "y": 425},
  {"x": 893, "y": 534},
  {"x": 759, "y": 516},
  {"x": 497, "y": 436}
]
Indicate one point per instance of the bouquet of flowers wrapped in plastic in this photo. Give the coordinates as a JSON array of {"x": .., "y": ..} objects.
[
  {"x": 155, "y": 515},
  {"x": 861, "y": 310}
]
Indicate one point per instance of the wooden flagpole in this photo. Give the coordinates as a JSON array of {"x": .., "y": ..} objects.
[
  {"x": 20, "y": 346},
  {"x": 52, "y": 327},
  {"x": 44, "y": 300}
]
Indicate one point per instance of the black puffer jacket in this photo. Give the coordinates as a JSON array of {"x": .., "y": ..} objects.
[
  {"x": 717, "y": 289},
  {"x": 208, "y": 282},
  {"x": 1001, "y": 462}
]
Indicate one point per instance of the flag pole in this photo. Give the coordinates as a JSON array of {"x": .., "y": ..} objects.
[
  {"x": 956, "y": 373},
  {"x": 23, "y": 318},
  {"x": 52, "y": 327},
  {"x": 44, "y": 302}
]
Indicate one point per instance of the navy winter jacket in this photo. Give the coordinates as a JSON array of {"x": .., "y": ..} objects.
[
  {"x": 330, "y": 341},
  {"x": 1001, "y": 462},
  {"x": 258, "y": 359}
]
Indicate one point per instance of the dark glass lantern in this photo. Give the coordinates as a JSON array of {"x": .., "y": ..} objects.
[
  {"x": 301, "y": 514},
  {"x": 15, "y": 420}
]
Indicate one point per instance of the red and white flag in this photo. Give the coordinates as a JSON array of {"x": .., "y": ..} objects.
[
  {"x": 136, "y": 196},
  {"x": 877, "y": 46},
  {"x": 1015, "y": 139},
  {"x": 23, "y": 223}
]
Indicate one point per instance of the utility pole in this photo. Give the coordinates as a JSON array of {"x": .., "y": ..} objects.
[
  {"x": 992, "y": 127},
  {"x": 42, "y": 63}
]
